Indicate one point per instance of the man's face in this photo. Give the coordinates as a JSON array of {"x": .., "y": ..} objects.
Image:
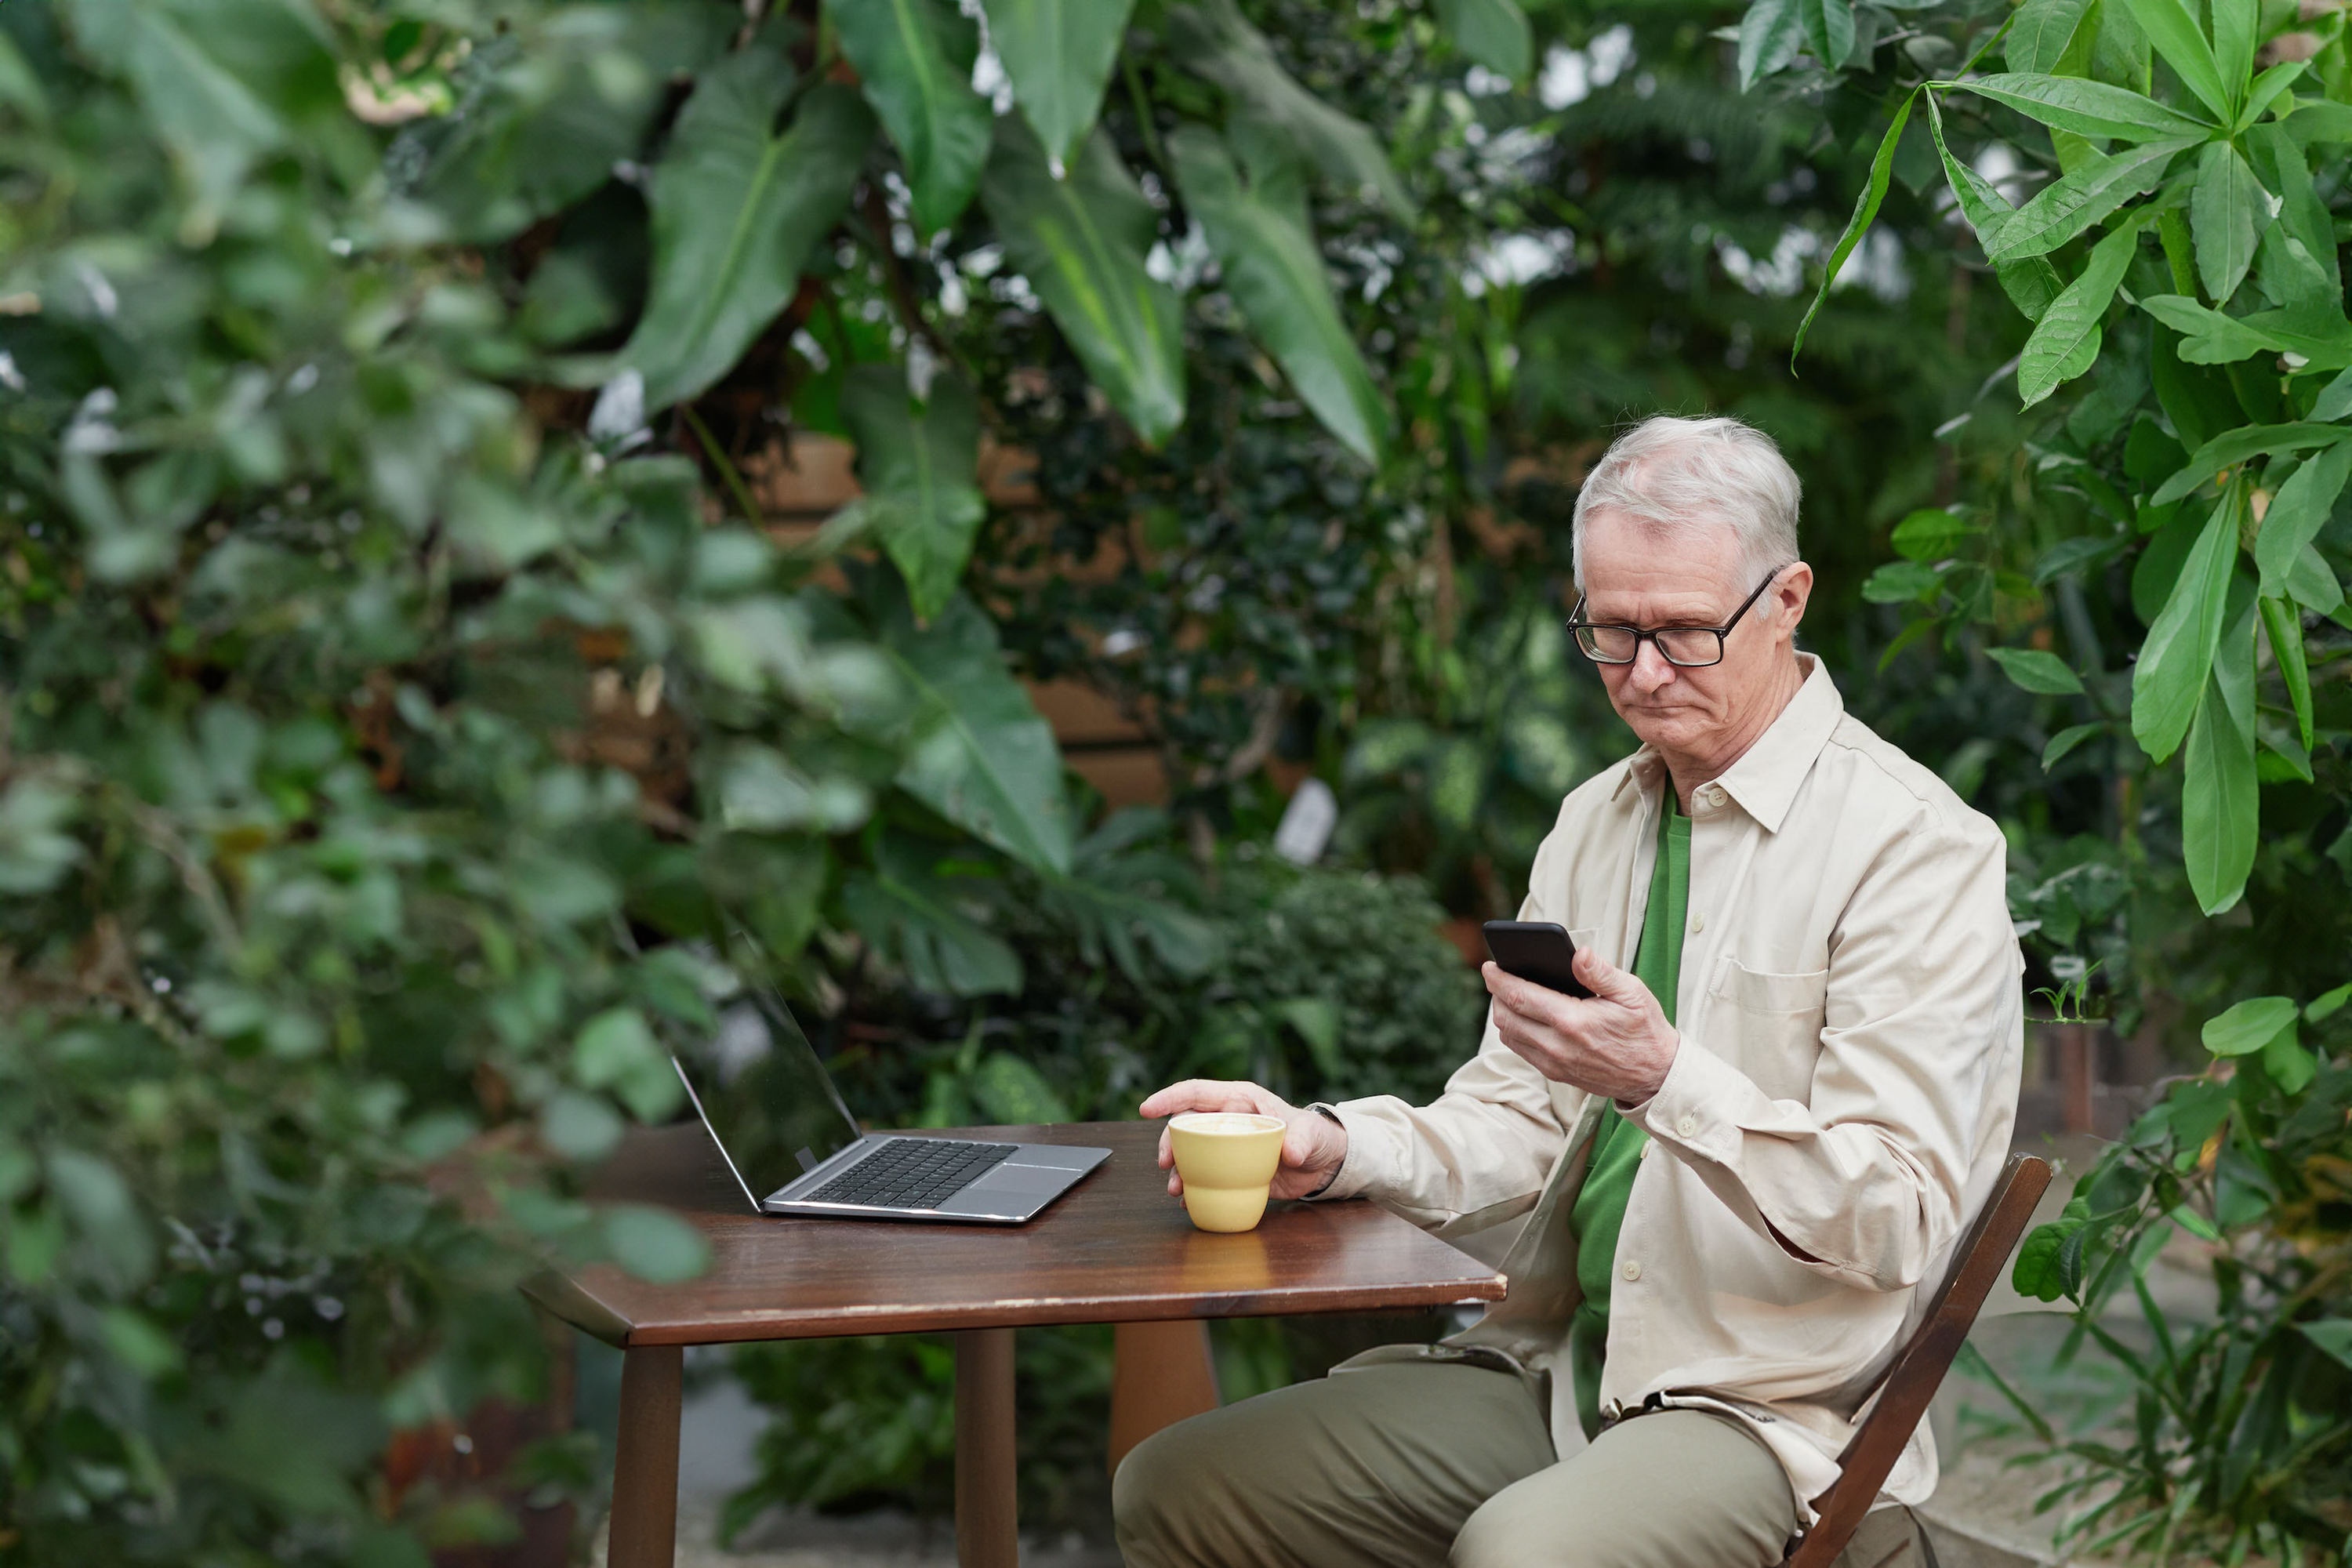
[{"x": 1638, "y": 577}]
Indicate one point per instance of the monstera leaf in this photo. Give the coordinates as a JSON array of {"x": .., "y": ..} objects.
[
  {"x": 1276, "y": 275},
  {"x": 1080, "y": 240},
  {"x": 735, "y": 209}
]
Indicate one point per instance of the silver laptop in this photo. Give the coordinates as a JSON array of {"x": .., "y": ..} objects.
[{"x": 784, "y": 1131}]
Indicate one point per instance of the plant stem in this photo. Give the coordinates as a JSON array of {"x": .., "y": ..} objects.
[{"x": 733, "y": 480}]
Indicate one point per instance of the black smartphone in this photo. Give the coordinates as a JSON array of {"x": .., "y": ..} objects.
[{"x": 1537, "y": 950}]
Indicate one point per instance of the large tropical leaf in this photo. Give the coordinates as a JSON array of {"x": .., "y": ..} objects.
[
  {"x": 1828, "y": 28},
  {"x": 2209, "y": 337},
  {"x": 1274, "y": 273},
  {"x": 2232, "y": 447},
  {"x": 1214, "y": 39},
  {"x": 2220, "y": 798},
  {"x": 736, "y": 209},
  {"x": 917, "y": 460},
  {"x": 1495, "y": 33},
  {"x": 2066, "y": 341},
  {"x": 925, "y": 924},
  {"x": 2085, "y": 108},
  {"x": 2284, "y": 167},
  {"x": 2079, "y": 199},
  {"x": 2169, "y": 681},
  {"x": 2229, "y": 211},
  {"x": 1081, "y": 241},
  {"x": 1059, "y": 54},
  {"x": 978, "y": 752},
  {"x": 2032, "y": 283},
  {"x": 915, "y": 59}
]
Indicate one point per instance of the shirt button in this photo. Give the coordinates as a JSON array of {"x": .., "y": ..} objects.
[
  {"x": 1699, "y": 923},
  {"x": 1646, "y": 1147},
  {"x": 1711, "y": 795},
  {"x": 1687, "y": 1125},
  {"x": 1632, "y": 1271}
]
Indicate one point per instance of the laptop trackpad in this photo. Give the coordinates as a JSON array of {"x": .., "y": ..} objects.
[{"x": 1011, "y": 1180}]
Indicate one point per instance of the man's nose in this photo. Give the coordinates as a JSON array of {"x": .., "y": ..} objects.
[{"x": 1651, "y": 670}]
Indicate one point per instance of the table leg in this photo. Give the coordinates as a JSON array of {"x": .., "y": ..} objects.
[
  {"x": 644, "y": 1461},
  {"x": 1160, "y": 1374},
  {"x": 986, "y": 1516}
]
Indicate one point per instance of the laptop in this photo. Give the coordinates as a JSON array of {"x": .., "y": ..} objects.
[{"x": 784, "y": 1131}]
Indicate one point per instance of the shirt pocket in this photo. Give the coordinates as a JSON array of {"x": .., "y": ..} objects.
[{"x": 1775, "y": 1021}]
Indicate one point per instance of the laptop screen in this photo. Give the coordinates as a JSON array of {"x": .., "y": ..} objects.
[{"x": 766, "y": 1096}]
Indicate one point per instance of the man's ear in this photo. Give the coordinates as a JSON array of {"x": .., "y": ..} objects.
[{"x": 1792, "y": 593}]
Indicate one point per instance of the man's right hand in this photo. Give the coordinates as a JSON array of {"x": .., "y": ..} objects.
[{"x": 1312, "y": 1148}]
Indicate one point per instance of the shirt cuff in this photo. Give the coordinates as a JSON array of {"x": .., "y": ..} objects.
[
  {"x": 1695, "y": 1106},
  {"x": 1361, "y": 1167}
]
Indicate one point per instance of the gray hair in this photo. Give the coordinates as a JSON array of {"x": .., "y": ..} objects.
[{"x": 1680, "y": 475}]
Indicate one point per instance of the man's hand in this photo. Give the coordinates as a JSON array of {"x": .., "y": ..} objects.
[
  {"x": 1311, "y": 1149},
  {"x": 1618, "y": 1043}
]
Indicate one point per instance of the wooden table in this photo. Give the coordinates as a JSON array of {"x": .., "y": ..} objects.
[{"x": 1117, "y": 1250}]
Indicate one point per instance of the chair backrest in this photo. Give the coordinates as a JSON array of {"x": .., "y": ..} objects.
[{"x": 1919, "y": 1367}]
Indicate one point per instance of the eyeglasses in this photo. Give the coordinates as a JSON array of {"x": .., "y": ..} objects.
[{"x": 1692, "y": 648}]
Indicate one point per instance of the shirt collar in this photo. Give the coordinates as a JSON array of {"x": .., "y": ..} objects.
[{"x": 1764, "y": 781}]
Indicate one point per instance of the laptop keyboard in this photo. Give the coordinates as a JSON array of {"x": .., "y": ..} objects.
[{"x": 911, "y": 1174}]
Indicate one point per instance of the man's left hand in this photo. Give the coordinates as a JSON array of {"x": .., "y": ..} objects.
[{"x": 1618, "y": 1043}]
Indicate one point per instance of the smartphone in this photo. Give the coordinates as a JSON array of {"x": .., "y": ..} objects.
[{"x": 1537, "y": 950}]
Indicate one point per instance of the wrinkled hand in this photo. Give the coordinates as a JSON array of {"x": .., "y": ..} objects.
[
  {"x": 1312, "y": 1148},
  {"x": 1618, "y": 1043}
]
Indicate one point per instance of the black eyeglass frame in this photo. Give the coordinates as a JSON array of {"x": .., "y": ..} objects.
[{"x": 1578, "y": 626}]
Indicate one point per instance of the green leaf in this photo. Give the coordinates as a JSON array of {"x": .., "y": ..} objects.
[
  {"x": 2235, "y": 24},
  {"x": 1059, "y": 55},
  {"x": 2232, "y": 447},
  {"x": 1770, "y": 33},
  {"x": 2066, "y": 741},
  {"x": 2066, "y": 341},
  {"x": 2300, "y": 509},
  {"x": 2312, "y": 583},
  {"x": 2042, "y": 32},
  {"x": 2284, "y": 628},
  {"x": 1899, "y": 581},
  {"x": 2250, "y": 1025},
  {"x": 2335, "y": 400},
  {"x": 1931, "y": 533},
  {"x": 979, "y": 753},
  {"x": 2229, "y": 212},
  {"x": 1081, "y": 241},
  {"x": 2037, "y": 1273},
  {"x": 543, "y": 127},
  {"x": 2080, "y": 198},
  {"x": 133, "y": 1339},
  {"x": 1215, "y": 40},
  {"x": 2325, "y": 1007},
  {"x": 912, "y": 921},
  {"x": 1012, "y": 1093},
  {"x": 618, "y": 1051},
  {"x": 2265, "y": 92},
  {"x": 1495, "y": 33},
  {"x": 1865, "y": 211},
  {"x": 2285, "y": 168},
  {"x": 2290, "y": 1063},
  {"x": 655, "y": 1244},
  {"x": 1828, "y": 28},
  {"x": 2220, "y": 800},
  {"x": 20, "y": 85},
  {"x": 2085, "y": 108},
  {"x": 2169, "y": 681},
  {"x": 918, "y": 462},
  {"x": 2333, "y": 1335},
  {"x": 2172, "y": 27},
  {"x": 36, "y": 850},
  {"x": 1275, "y": 274},
  {"x": 914, "y": 59},
  {"x": 2045, "y": 674},
  {"x": 736, "y": 211},
  {"x": 2030, "y": 284},
  {"x": 2209, "y": 337},
  {"x": 758, "y": 791}
]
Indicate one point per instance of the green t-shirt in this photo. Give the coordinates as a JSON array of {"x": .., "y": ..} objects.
[{"x": 1599, "y": 1212}]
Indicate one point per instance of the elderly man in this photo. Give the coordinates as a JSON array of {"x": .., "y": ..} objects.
[{"x": 1737, "y": 1167}]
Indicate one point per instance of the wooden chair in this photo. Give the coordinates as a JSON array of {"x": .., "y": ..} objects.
[{"x": 1919, "y": 1367}]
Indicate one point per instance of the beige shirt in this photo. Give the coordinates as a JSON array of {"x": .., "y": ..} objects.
[{"x": 1852, "y": 1027}]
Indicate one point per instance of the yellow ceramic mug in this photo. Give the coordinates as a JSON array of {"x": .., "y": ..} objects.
[{"x": 1227, "y": 1159}]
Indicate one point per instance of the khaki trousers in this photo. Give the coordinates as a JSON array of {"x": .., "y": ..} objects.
[{"x": 1411, "y": 1464}]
